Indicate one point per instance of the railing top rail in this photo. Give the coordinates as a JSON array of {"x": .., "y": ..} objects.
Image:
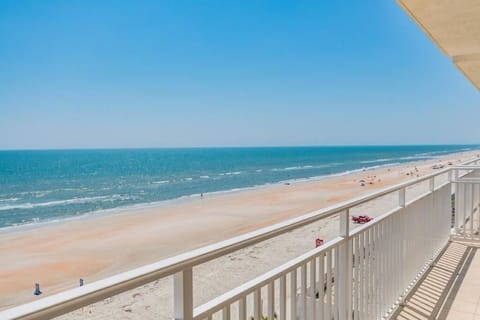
[
  {"x": 467, "y": 179},
  {"x": 76, "y": 298},
  {"x": 466, "y": 167}
]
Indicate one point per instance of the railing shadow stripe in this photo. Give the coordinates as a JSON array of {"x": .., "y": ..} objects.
[{"x": 434, "y": 302}]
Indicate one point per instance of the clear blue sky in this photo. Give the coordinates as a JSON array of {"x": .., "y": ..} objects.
[{"x": 81, "y": 74}]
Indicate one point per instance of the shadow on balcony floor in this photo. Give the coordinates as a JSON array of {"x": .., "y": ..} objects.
[{"x": 450, "y": 289}]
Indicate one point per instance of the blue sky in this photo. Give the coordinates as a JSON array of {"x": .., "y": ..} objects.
[{"x": 93, "y": 74}]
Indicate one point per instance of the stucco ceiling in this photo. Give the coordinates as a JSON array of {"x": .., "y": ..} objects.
[{"x": 454, "y": 25}]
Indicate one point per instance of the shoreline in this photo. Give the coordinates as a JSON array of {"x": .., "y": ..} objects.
[
  {"x": 57, "y": 254},
  {"x": 132, "y": 208}
]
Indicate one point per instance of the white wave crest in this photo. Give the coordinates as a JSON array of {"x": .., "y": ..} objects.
[
  {"x": 161, "y": 182},
  {"x": 29, "y": 205},
  {"x": 377, "y": 160},
  {"x": 9, "y": 200},
  {"x": 306, "y": 167},
  {"x": 234, "y": 173}
]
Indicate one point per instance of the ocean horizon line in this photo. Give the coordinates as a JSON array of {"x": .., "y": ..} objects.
[{"x": 237, "y": 147}]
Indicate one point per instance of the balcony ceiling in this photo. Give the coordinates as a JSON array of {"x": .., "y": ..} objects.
[{"x": 454, "y": 25}]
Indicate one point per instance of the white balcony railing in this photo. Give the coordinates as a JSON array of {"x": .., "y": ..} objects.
[
  {"x": 363, "y": 273},
  {"x": 467, "y": 198}
]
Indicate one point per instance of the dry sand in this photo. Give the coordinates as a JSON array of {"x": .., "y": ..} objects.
[{"x": 57, "y": 255}]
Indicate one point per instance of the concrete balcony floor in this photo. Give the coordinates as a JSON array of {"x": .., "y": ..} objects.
[{"x": 450, "y": 289}]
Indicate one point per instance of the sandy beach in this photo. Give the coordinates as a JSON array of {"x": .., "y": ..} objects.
[{"x": 56, "y": 255}]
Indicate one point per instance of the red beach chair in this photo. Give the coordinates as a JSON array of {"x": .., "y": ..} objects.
[
  {"x": 361, "y": 219},
  {"x": 318, "y": 242}
]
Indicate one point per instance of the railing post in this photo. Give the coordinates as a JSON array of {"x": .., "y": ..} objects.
[
  {"x": 452, "y": 177},
  {"x": 345, "y": 271},
  {"x": 459, "y": 188},
  {"x": 183, "y": 294},
  {"x": 430, "y": 214},
  {"x": 403, "y": 244},
  {"x": 401, "y": 198}
]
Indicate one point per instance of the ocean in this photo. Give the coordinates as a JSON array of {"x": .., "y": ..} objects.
[{"x": 40, "y": 186}]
